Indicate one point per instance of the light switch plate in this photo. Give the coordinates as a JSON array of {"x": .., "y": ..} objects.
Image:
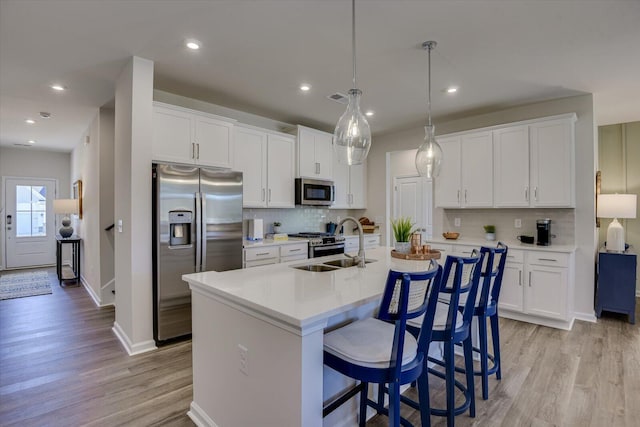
[
  {"x": 517, "y": 223},
  {"x": 456, "y": 222}
]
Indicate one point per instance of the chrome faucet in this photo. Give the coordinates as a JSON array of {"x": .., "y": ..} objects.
[{"x": 359, "y": 259}]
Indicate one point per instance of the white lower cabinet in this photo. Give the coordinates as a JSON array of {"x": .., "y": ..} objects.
[
  {"x": 371, "y": 241},
  {"x": 537, "y": 283},
  {"x": 265, "y": 255}
]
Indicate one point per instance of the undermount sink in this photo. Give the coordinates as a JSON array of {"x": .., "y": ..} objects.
[
  {"x": 346, "y": 262},
  {"x": 316, "y": 267},
  {"x": 331, "y": 265}
]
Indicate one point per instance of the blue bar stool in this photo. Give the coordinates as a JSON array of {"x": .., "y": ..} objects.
[
  {"x": 452, "y": 326},
  {"x": 380, "y": 350},
  {"x": 487, "y": 307}
]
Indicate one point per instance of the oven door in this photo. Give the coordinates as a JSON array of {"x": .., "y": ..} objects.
[{"x": 325, "y": 250}]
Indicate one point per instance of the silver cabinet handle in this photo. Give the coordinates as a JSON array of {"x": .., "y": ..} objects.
[
  {"x": 535, "y": 193},
  {"x": 458, "y": 196},
  {"x": 269, "y": 194},
  {"x": 294, "y": 250},
  {"x": 465, "y": 196},
  {"x": 317, "y": 167},
  {"x": 520, "y": 277},
  {"x": 193, "y": 150},
  {"x": 547, "y": 259},
  {"x": 529, "y": 279},
  {"x": 263, "y": 191},
  {"x": 526, "y": 193},
  {"x": 198, "y": 151},
  {"x": 262, "y": 253}
]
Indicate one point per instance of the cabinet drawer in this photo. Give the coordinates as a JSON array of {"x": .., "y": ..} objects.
[
  {"x": 293, "y": 257},
  {"x": 371, "y": 242},
  {"x": 552, "y": 259},
  {"x": 291, "y": 250},
  {"x": 260, "y": 262},
  {"x": 463, "y": 250},
  {"x": 253, "y": 254},
  {"x": 515, "y": 256}
]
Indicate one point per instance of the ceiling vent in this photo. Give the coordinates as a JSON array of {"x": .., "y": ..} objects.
[{"x": 338, "y": 97}]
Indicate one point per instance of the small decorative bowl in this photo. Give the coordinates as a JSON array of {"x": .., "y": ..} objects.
[{"x": 451, "y": 235}]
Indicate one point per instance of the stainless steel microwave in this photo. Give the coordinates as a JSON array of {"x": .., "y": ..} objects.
[{"x": 314, "y": 192}]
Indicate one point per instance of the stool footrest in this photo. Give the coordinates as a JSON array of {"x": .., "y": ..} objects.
[
  {"x": 457, "y": 410},
  {"x": 490, "y": 371}
]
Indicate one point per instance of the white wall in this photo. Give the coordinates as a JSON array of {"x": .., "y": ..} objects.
[
  {"x": 132, "y": 155},
  {"x": 584, "y": 226},
  {"x": 92, "y": 162},
  {"x": 30, "y": 162}
]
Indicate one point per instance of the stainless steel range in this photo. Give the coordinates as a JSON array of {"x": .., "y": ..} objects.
[{"x": 322, "y": 244}]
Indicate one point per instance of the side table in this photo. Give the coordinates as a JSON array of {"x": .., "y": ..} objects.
[
  {"x": 74, "y": 241},
  {"x": 617, "y": 283}
]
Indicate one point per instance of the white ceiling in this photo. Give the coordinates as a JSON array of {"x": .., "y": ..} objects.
[{"x": 255, "y": 54}]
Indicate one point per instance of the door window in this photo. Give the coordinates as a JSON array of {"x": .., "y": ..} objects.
[{"x": 31, "y": 210}]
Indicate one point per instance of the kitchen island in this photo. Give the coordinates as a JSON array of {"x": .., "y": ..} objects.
[{"x": 258, "y": 339}]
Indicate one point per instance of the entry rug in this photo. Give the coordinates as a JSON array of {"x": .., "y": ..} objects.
[{"x": 18, "y": 285}]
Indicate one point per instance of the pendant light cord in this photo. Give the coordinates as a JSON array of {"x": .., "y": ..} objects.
[
  {"x": 353, "y": 39},
  {"x": 429, "y": 85}
]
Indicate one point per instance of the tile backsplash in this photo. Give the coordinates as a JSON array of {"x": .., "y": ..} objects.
[
  {"x": 472, "y": 221},
  {"x": 300, "y": 218}
]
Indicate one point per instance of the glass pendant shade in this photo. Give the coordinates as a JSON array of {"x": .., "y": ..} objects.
[
  {"x": 352, "y": 137},
  {"x": 429, "y": 155}
]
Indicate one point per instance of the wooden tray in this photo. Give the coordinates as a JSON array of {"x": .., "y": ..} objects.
[{"x": 433, "y": 254}]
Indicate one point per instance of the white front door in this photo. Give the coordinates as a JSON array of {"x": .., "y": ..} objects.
[
  {"x": 413, "y": 199},
  {"x": 29, "y": 222}
]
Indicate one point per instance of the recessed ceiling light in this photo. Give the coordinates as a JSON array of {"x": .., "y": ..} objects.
[
  {"x": 452, "y": 89},
  {"x": 193, "y": 44},
  {"x": 58, "y": 87},
  {"x": 369, "y": 113},
  {"x": 305, "y": 87},
  {"x": 31, "y": 141},
  {"x": 30, "y": 121}
]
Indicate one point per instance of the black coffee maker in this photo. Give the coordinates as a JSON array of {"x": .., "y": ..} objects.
[{"x": 544, "y": 231}]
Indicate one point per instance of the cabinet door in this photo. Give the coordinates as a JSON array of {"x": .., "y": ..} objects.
[
  {"x": 315, "y": 154},
  {"x": 511, "y": 167},
  {"x": 172, "y": 135},
  {"x": 552, "y": 163},
  {"x": 324, "y": 154},
  {"x": 213, "y": 139},
  {"x": 357, "y": 186},
  {"x": 341, "y": 183},
  {"x": 477, "y": 170},
  {"x": 447, "y": 184},
  {"x": 280, "y": 172},
  {"x": 546, "y": 291},
  {"x": 250, "y": 158},
  {"x": 511, "y": 292}
]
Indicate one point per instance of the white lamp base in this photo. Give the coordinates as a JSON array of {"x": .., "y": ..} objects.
[{"x": 615, "y": 237}]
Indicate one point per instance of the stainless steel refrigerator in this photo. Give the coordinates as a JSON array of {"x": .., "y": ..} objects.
[{"x": 197, "y": 221}]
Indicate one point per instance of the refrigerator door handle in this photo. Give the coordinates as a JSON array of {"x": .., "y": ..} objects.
[
  {"x": 198, "y": 232},
  {"x": 203, "y": 237}
]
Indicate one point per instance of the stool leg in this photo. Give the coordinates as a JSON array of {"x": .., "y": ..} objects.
[
  {"x": 394, "y": 404},
  {"x": 380, "y": 398},
  {"x": 495, "y": 338},
  {"x": 364, "y": 393},
  {"x": 450, "y": 375},
  {"x": 423, "y": 397},
  {"x": 484, "y": 358},
  {"x": 468, "y": 367}
]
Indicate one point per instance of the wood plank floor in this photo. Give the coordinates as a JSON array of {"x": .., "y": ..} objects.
[{"x": 61, "y": 365}]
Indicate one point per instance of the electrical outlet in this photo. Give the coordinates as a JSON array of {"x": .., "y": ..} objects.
[
  {"x": 244, "y": 359},
  {"x": 518, "y": 223},
  {"x": 456, "y": 222}
]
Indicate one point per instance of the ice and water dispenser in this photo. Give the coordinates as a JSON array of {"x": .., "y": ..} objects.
[{"x": 180, "y": 227}]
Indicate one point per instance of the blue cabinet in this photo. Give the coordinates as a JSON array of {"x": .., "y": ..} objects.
[{"x": 617, "y": 283}]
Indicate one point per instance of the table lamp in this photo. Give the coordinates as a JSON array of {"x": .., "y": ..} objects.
[
  {"x": 65, "y": 207},
  {"x": 616, "y": 206}
]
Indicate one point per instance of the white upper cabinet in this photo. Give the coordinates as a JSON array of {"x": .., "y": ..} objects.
[
  {"x": 267, "y": 163},
  {"x": 350, "y": 186},
  {"x": 466, "y": 177},
  {"x": 552, "y": 163},
  {"x": 186, "y": 136},
  {"x": 511, "y": 167},
  {"x": 315, "y": 154},
  {"x": 519, "y": 165}
]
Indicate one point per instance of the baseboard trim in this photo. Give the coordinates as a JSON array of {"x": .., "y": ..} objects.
[
  {"x": 551, "y": 323},
  {"x": 199, "y": 417},
  {"x": 92, "y": 294},
  {"x": 586, "y": 317},
  {"x": 131, "y": 348}
]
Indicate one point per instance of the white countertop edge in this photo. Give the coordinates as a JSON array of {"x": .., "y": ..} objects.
[
  {"x": 289, "y": 324},
  {"x": 270, "y": 242},
  {"x": 510, "y": 243}
]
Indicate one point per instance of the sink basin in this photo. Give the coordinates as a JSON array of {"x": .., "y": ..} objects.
[
  {"x": 316, "y": 267},
  {"x": 346, "y": 262}
]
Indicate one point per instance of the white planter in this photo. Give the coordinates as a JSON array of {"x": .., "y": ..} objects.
[
  {"x": 403, "y": 247},
  {"x": 490, "y": 236},
  {"x": 277, "y": 228}
]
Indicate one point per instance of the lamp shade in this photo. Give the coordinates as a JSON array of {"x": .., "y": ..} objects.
[
  {"x": 65, "y": 206},
  {"x": 617, "y": 205}
]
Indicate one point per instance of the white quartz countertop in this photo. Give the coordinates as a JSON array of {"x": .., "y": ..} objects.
[
  {"x": 271, "y": 242},
  {"x": 302, "y": 299},
  {"x": 512, "y": 244}
]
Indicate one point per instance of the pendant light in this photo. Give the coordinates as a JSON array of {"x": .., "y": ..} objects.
[
  {"x": 352, "y": 137},
  {"x": 429, "y": 155}
]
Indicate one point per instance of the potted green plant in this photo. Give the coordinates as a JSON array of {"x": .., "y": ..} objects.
[
  {"x": 490, "y": 232},
  {"x": 276, "y": 227},
  {"x": 402, "y": 230}
]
